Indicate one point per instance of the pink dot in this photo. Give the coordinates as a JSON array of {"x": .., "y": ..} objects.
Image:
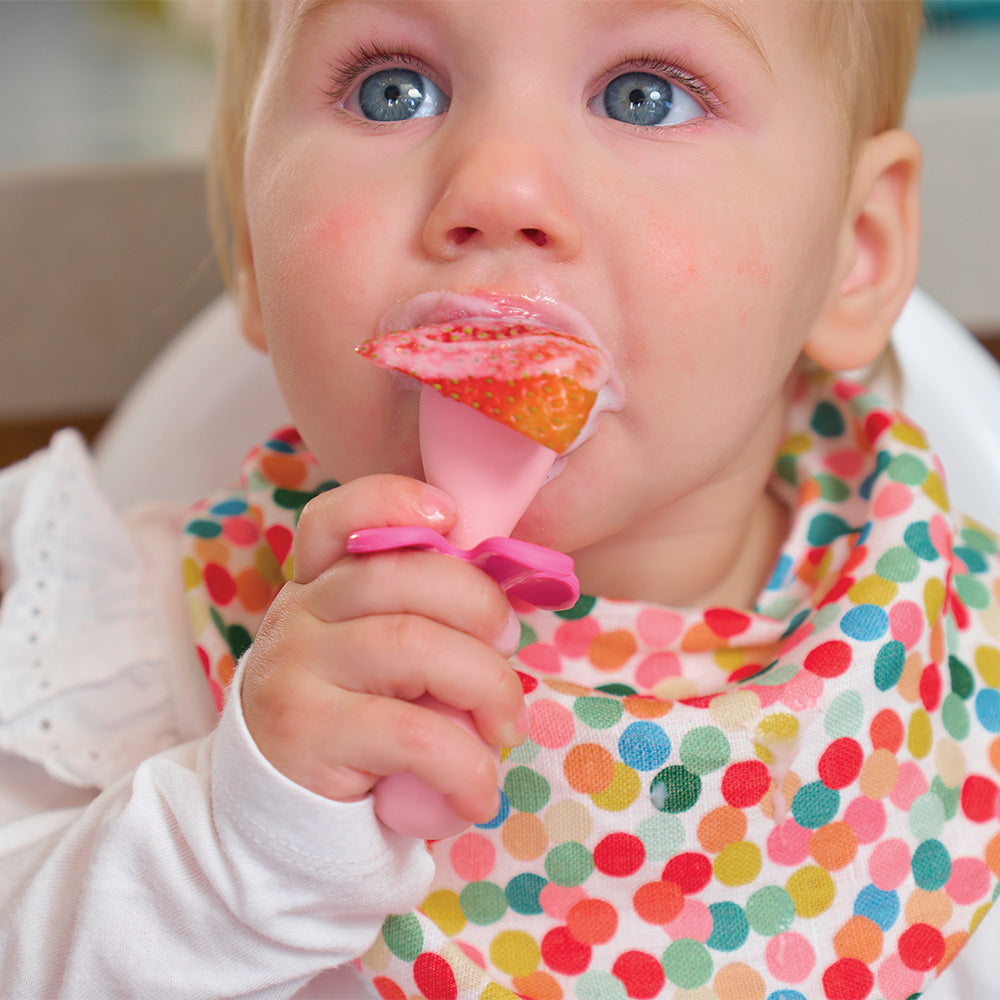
[
  {"x": 893, "y": 499},
  {"x": 240, "y": 530},
  {"x": 789, "y": 957},
  {"x": 969, "y": 881},
  {"x": 472, "y": 857},
  {"x": 889, "y": 864},
  {"x": 573, "y": 638},
  {"x": 542, "y": 657},
  {"x": 847, "y": 463},
  {"x": 472, "y": 953},
  {"x": 896, "y": 981},
  {"x": 788, "y": 844},
  {"x": 657, "y": 627},
  {"x": 655, "y": 667},
  {"x": 940, "y": 536},
  {"x": 906, "y": 621},
  {"x": 551, "y": 724},
  {"x": 910, "y": 784},
  {"x": 802, "y": 691},
  {"x": 558, "y": 900},
  {"x": 694, "y": 921},
  {"x": 866, "y": 817}
]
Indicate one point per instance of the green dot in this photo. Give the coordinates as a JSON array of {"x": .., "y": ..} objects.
[
  {"x": 926, "y": 816},
  {"x": 599, "y": 984},
  {"x": 581, "y": 609},
  {"x": 973, "y": 560},
  {"x": 770, "y": 911},
  {"x": 704, "y": 750},
  {"x": 979, "y": 540},
  {"x": 403, "y": 936},
  {"x": 825, "y": 528},
  {"x": 204, "y": 529},
  {"x": 827, "y": 420},
  {"x": 619, "y": 691},
  {"x": 918, "y": 540},
  {"x": 775, "y": 676},
  {"x": 729, "y": 926},
  {"x": 907, "y": 469},
  {"x": 889, "y": 662},
  {"x": 974, "y": 593},
  {"x": 598, "y": 713},
  {"x": 815, "y": 805},
  {"x": 962, "y": 681},
  {"x": 662, "y": 834},
  {"x": 569, "y": 864},
  {"x": 687, "y": 963},
  {"x": 949, "y": 796},
  {"x": 527, "y": 752},
  {"x": 675, "y": 789},
  {"x": 483, "y": 902},
  {"x": 526, "y": 789},
  {"x": 523, "y": 892},
  {"x": 955, "y": 717},
  {"x": 832, "y": 488},
  {"x": 787, "y": 468},
  {"x": 931, "y": 865},
  {"x": 845, "y": 715},
  {"x": 898, "y": 565},
  {"x": 528, "y": 636}
]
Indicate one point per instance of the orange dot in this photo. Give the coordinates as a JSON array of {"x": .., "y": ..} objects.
[
  {"x": 878, "y": 774},
  {"x": 658, "y": 902},
  {"x": 993, "y": 855},
  {"x": 995, "y": 754},
  {"x": 933, "y": 908},
  {"x": 953, "y": 944},
  {"x": 737, "y": 981},
  {"x": 524, "y": 836},
  {"x": 539, "y": 986},
  {"x": 859, "y": 938},
  {"x": 611, "y": 650},
  {"x": 224, "y": 669},
  {"x": 211, "y": 550},
  {"x": 283, "y": 470},
  {"x": 568, "y": 687},
  {"x": 592, "y": 921},
  {"x": 253, "y": 590},
  {"x": 700, "y": 637},
  {"x": 589, "y": 768},
  {"x": 643, "y": 707},
  {"x": 833, "y": 846},
  {"x": 722, "y": 826}
]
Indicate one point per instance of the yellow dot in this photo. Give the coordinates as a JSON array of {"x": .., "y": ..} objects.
[
  {"x": 920, "y": 736},
  {"x": 445, "y": 910},
  {"x": 734, "y": 710},
  {"x": 812, "y": 891},
  {"x": 934, "y": 594},
  {"x": 515, "y": 952},
  {"x": 908, "y": 434},
  {"x": 935, "y": 490},
  {"x": 192, "y": 573},
  {"x": 622, "y": 792},
  {"x": 737, "y": 864},
  {"x": 568, "y": 820},
  {"x": 494, "y": 991},
  {"x": 797, "y": 444},
  {"x": 873, "y": 590},
  {"x": 988, "y": 665},
  {"x": 949, "y": 759}
]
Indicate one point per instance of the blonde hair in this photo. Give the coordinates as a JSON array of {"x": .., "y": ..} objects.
[{"x": 867, "y": 47}]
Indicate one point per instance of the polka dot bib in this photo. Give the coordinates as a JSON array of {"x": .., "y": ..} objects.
[{"x": 789, "y": 803}]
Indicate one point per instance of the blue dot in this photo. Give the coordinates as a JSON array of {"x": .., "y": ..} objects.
[
  {"x": 881, "y": 906},
  {"x": 229, "y": 508},
  {"x": 988, "y": 709},
  {"x": 644, "y": 746},
  {"x": 730, "y": 927},
  {"x": 931, "y": 865},
  {"x": 781, "y": 572},
  {"x": 786, "y": 995},
  {"x": 502, "y": 813},
  {"x": 865, "y": 622}
]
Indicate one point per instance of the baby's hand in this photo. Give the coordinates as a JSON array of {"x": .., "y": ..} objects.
[{"x": 352, "y": 641}]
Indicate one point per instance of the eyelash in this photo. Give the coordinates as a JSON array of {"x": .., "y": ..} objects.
[{"x": 366, "y": 57}]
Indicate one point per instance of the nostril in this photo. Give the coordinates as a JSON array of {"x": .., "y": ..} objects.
[
  {"x": 536, "y": 236},
  {"x": 462, "y": 234}
]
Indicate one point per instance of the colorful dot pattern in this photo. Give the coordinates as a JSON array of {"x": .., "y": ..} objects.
[{"x": 792, "y": 803}]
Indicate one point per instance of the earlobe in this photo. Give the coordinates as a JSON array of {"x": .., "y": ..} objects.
[
  {"x": 247, "y": 298},
  {"x": 877, "y": 256}
]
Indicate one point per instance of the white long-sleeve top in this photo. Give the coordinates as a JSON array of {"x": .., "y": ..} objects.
[{"x": 198, "y": 870}]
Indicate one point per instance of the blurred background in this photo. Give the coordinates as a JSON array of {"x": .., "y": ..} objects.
[{"x": 103, "y": 101}]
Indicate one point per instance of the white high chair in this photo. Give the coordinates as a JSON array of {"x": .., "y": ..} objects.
[{"x": 182, "y": 431}]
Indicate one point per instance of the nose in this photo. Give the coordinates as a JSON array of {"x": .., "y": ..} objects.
[{"x": 502, "y": 194}]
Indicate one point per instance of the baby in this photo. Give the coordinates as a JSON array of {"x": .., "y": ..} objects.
[{"x": 759, "y": 757}]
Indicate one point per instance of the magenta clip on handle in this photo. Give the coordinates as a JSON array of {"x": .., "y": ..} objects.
[{"x": 532, "y": 573}]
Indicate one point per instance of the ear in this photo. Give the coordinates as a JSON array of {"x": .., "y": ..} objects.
[
  {"x": 877, "y": 255},
  {"x": 247, "y": 298}
]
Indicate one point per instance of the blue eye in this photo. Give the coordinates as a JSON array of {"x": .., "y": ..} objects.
[
  {"x": 395, "y": 95},
  {"x": 647, "y": 100}
]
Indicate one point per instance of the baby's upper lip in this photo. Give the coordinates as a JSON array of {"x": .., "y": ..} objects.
[{"x": 429, "y": 308}]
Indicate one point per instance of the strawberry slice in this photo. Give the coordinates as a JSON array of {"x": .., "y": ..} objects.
[{"x": 540, "y": 382}]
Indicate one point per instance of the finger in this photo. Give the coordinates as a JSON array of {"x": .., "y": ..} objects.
[{"x": 371, "y": 502}]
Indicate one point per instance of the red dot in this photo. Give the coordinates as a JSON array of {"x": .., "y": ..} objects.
[
  {"x": 725, "y": 622},
  {"x": 979, "y": 796},
  {"x": 387, "y": 989},
  {"x": 240, "y": 530},
  {"x": 528, "y": 683},
  {"x": 841, "y": 763},
  {"x": 875, "y": 423},
  {"x": 921, "y": 947},
  {"x": 592, "y": 921},
  {"x": 930, "y": 687},
  {"x": 692, "y": 872},
  {"x": 561, "y": 952},
  {"x": 619, "y": 855},
  {"x": 745, "y": 783},
  {"x": 829, "y": 659},
  {"x": 886, "y": 731},
  {"x": 279, "y": 538},
  {"x": 434, "y": 977},
  {"x": 848, "y": 979},
  {"x": 221, "y": 586},
  {"x": 641, "y": 974},
  {"x": 658, "y": 902}
]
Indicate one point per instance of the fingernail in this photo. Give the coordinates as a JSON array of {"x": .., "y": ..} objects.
[
  {"x": 434, "y": 505},
  {"x": 510, "y": 638}
]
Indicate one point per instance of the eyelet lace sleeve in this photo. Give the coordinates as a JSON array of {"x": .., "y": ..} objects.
[{"x": 85, "y": 687}]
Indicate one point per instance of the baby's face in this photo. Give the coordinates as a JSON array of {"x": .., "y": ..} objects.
[{"x": 665, "y": 177}]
